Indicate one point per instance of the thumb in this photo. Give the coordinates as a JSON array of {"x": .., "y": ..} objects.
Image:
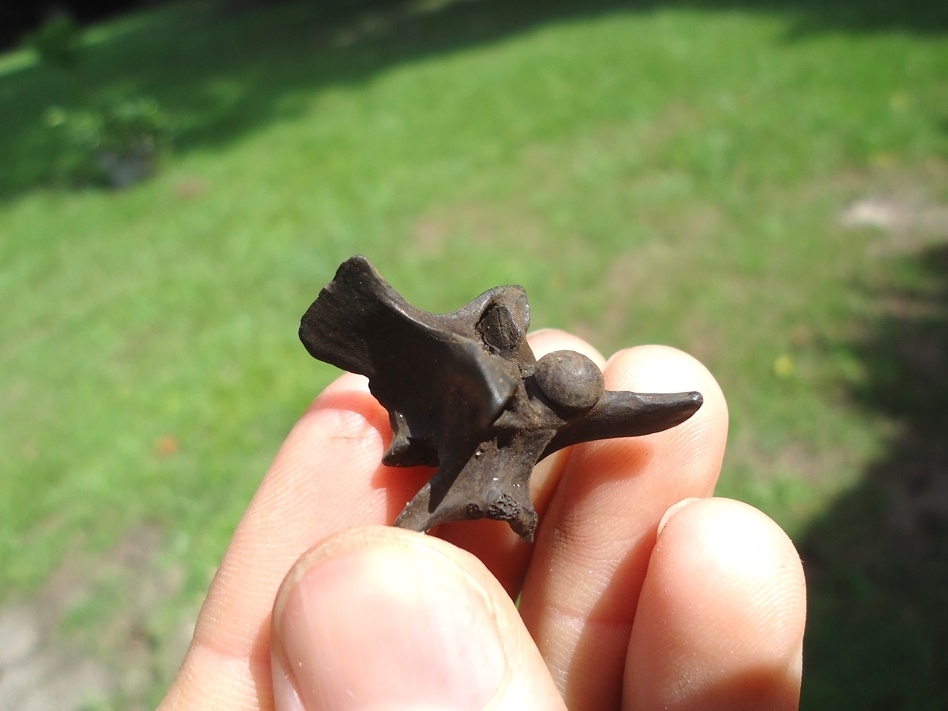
[{"x": 384, "y": 619}]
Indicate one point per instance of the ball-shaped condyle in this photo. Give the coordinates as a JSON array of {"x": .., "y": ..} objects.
[{"x": 569, "y": 380}]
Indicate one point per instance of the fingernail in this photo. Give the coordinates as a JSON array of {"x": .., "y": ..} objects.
[
  {"x": 673, "y": 509},
  {"x": 384, "y": 628}
]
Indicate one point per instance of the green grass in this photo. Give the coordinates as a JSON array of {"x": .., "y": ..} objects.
[{"x": 672, "y": 173}]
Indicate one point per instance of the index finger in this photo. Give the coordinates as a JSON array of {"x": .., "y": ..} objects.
[{"x": 327, "y": 477}]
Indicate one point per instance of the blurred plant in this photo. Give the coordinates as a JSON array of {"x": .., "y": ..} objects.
[
  {"x": 130, "y": 135},
  {"x": 58, "y": 42},
  {"x": 131, "y": 124},
  {"x": 119, "y": 140}
]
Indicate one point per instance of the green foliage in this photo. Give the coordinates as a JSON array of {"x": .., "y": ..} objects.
[
  {"x": 73, "y": 136},
  {"x": 114, "y": 138},
  {"x": 58, "y": 42},
  {"x": 121, "y": 133},
  {"x": 132, "y": 125}
]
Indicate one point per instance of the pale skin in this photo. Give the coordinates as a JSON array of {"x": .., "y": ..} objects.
[{"x": 642, "y": 590}]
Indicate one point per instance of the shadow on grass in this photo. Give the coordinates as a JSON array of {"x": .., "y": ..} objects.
[
  {"x": 813, "y": 16},
  {"x": 224, "y": 73},
  {"x": 877, "y": 562}
]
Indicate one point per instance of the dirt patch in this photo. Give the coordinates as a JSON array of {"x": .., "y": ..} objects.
[
  {"x": 88, "y": 637},
  {"x": 908, "y": 224},
  {"x": 906, "y": 351},
  {"x": 40, "y": 673}
]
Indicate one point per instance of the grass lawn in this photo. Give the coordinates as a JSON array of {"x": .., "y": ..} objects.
[{"x": 763, "y": 184}]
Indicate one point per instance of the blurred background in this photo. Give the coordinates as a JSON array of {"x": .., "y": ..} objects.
[{"x": 763, "y": 183}]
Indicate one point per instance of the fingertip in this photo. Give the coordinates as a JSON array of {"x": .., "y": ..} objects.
[
  {"x": 548, "y": 340},
  {"x": 663, "y": 369},
  {"x": 348, "y": 392},
  {"x": 360, "y": 622},
  {"x": 347, "y": 382},
  {"x": 721, "y": 616},
  {"x": 739, "y": 545},
  {"x": 387, "y": 618},
  {"x": 672, "y": 510}
]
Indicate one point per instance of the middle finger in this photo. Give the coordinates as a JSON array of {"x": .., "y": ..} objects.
[{"x": 593, "y": 545}]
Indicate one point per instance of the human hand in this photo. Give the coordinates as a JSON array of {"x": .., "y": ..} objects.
[{"x": 639, "y": 593}]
